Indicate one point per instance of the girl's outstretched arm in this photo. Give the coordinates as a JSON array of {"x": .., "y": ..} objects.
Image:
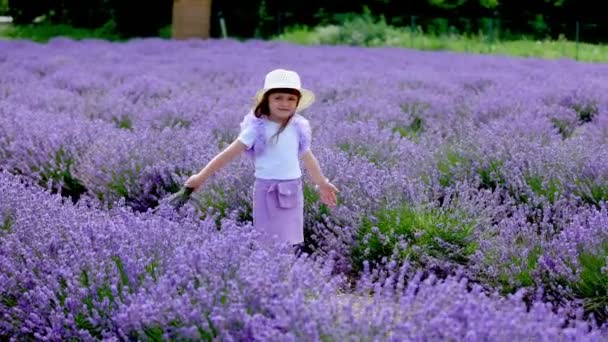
[
  {"x": 221, "y": 159},
  {"x": 327, "y": 191}
]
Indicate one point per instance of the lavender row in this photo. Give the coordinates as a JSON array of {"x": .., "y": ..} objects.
[
  {"x": 78, "y": 271},
  {"x": 491, "y": 163}
]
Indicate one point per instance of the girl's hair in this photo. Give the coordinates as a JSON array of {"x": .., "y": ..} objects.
[{"x": 263, "y": 108}]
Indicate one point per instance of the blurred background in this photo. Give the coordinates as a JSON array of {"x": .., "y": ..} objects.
[{"x": 464, "y": 25}]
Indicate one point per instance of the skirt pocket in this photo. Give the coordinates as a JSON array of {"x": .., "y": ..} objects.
[{"x": 288, "y": 194}]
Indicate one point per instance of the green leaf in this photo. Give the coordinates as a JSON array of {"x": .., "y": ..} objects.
[
  {"x": 8, "y": 301},
  {"x": 7, "y": 223},
  {"x": 154, "y": 333},
  {"x": 124, "y": 278}
]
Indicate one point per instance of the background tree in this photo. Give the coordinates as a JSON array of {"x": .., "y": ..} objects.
[{"x": 536, "y": 19}]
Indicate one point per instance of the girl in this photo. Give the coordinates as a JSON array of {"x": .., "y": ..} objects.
[{"x": 276, "y": 138}]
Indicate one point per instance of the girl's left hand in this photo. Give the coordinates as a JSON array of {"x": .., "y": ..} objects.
[{"x": 327, "y": 193}]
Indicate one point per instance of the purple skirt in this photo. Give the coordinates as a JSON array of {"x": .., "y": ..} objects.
[{"x": 278, "y": 209}]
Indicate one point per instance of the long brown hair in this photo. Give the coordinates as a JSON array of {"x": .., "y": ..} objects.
[{"x": 263, "y": 108}]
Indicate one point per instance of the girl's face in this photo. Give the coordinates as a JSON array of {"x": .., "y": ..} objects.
[{"x": 282, "y": 106}]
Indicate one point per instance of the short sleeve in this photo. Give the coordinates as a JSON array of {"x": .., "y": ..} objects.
[
  {"x": 305, "y": 134},
  {"x": 247, "y": 135}
]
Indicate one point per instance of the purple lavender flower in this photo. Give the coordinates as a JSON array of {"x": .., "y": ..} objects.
[{"x": 515, "y": 146}]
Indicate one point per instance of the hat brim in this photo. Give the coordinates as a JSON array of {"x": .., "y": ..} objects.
[{"x": 307, "y": 98}]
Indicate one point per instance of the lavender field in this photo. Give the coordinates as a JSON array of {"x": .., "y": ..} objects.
[{"x": 472, "y": 204}]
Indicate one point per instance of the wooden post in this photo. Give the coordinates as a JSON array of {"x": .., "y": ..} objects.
[{"x": 191, "y": 19}]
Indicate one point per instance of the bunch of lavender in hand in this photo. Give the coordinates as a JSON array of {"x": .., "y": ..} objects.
[{"x": 178, "y": 199}]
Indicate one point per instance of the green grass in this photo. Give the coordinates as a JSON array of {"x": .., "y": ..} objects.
[
  {"x": 43, "y": 32},
  {"x": 383, "y": 35},
  {"x": 359, "y": 32}
]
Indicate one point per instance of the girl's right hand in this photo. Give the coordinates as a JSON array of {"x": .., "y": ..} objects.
[{"x": 194, "y": 182}]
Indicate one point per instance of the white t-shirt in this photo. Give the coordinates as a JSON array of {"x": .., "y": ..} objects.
[{"x": 280, "y": 159}]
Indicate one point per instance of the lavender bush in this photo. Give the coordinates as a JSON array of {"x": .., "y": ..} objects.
[
  {"x": 82, "y": 272},
  {"x": 484, "y": 175}
]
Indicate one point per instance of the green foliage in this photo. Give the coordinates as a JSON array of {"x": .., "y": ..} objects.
[
  {"x": 121, "y": 183},
  {"x": 105, "y": 291},
  {"x": 539, "y": 26},
  {"x": 7, "y": 220},
  {"x": 124, "y": 277},
  {"x": 438, "y": 26},
  {"x": 58, "y": 170},
  {"x": 157, "y": 332},
  {"x": 375, "y": 32},
  {"x": 311, "y": 201},
  {"x": 549, "y": 189},
  {"x": 592, "y": 285},
  {"x": 488, "y": 3},
  {"x": 592, "y": 191},
  {"x": 84, "y": 279},
  {"x": 83, "y": 317},
  {"x": 152, "y": 269},
  {"x": 586, "y": 111},
  {"x": 363, "y": 30},
  {"x": 3, "y": 7},
  {"x": 563, "y": 127},
  {"x": 123, "y": 122},
  {"x": 63, "y": 293},
  {"x": 410, "y": 233},
  {"x": 447, "y": 4},
  {"x": 523, "y": 277},
  {"x": 261, "y": 18},
  {"x": 491, "y": 176},
  {"x": 166, "y": 32},
  {"x": 351, "y": 29},
  {"x": 205, "y": 335},
  {"x": 154, "y": 333},
  {"x": 416, "y": 111},
  {"x": 449, "y": 166},
  {"x": 412, "y": 130},
  {"x": 316, "y": 215},
  {"x": 43, "y": 32},
  {"x": 361, "y": 150},
  {"x": 8, "y": 301},
  {"x": 83, "y": 322},
  {"x": 265, "y": 21},
  {"x": 214, "y": 201},
  {"x": 125, "y": 17},
  {"x": 416, "y": 108}
]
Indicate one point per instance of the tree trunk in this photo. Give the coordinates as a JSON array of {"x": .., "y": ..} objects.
[{"x": 191, "y": 19}]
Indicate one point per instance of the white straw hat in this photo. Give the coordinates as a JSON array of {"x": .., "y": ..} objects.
[{"x": 281, "y": 78}]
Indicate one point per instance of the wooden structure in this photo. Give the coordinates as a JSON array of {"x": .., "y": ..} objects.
[{"x": 191, "y": 19}]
